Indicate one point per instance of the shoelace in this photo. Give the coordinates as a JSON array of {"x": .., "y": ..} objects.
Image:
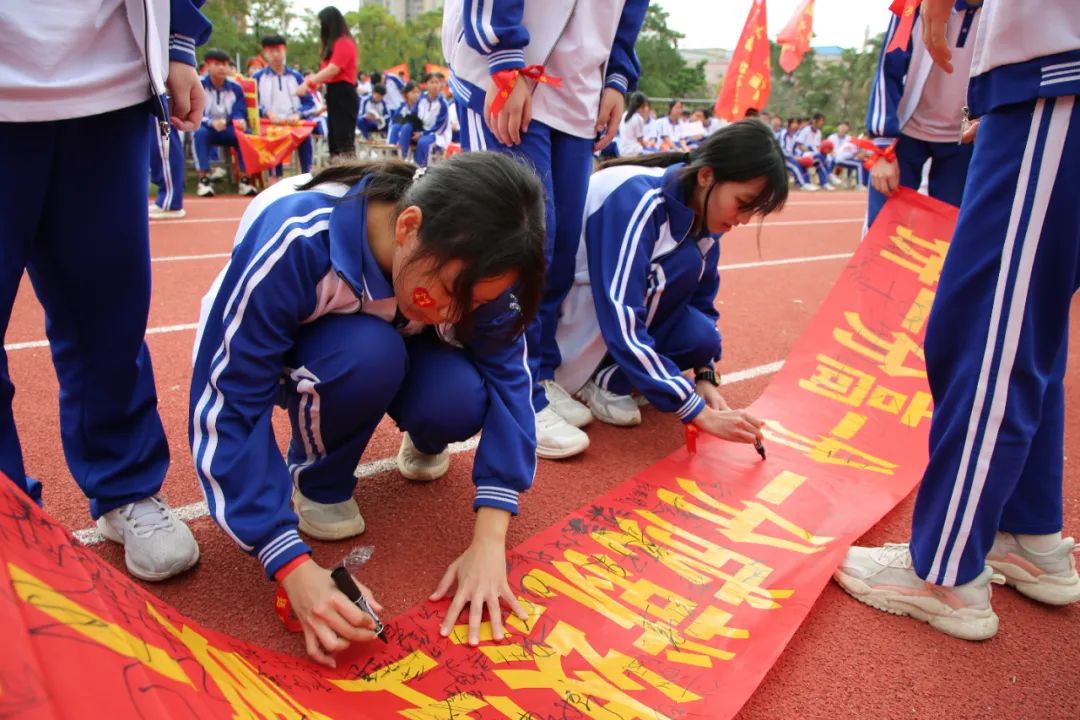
[
  {"x": 895, "y": 555},
  {"x": 147, "y": 516}
]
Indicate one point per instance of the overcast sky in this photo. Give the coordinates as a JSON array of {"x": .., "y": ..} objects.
[{"x": 717, "y": 23}]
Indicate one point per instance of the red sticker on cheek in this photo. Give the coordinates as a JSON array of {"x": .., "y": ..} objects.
[{"x": 422, "y": 298}]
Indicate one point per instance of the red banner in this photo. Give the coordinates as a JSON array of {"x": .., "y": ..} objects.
[
  {"x": 794, "y": 39},
  {"x": 746, "y": 84},
  {"x": 669, "y": 597},
  {"x": 274, "y": 146}
]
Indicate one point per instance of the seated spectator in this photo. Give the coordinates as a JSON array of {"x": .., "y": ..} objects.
[
  {"x": 695, "y": 130},
  {"x": 433, "y": 113},
  {"x": 633, "y": 139},
  {"x": 276, "y": 87},
  {"x": 405, "y": 119},
  {"x": 792, "y": 160},
  {"x": 808, "y": 144},
  {"x": 670, "y": 127},
  {"x": 364, "y": 85},
  {"x": 224, "y": 107},
  {"x": 373, "y": 111},
  {"x": 712, "y": 123}
]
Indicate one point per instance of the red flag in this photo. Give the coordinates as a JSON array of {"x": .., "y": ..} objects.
[
  {"x": 401, "y": 70},
  {"x": 906, "y": 10},
  {"x": 746, "y": 84},
  {"x": 795, "y": 37},
  {"x": 273, "y": 147}
]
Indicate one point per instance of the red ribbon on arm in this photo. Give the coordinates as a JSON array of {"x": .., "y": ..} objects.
[
  {"x": 505, "y": 80},
  {"x": 887, "y": 153},
  {"x": 906, "y": 10}
]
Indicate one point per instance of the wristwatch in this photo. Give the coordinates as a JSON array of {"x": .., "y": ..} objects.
[{"x": 707, "y": 374}]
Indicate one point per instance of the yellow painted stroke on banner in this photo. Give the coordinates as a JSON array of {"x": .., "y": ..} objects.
[{"x": 39, "y": 595}]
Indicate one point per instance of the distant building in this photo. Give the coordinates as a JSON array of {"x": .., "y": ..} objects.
[
  {"x": 716, "y": 62},
  {"x": 405, "y": 10}
]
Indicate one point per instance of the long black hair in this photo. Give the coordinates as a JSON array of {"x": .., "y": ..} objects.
[
  {"x": 483, "y": 208},
  {"x": 636, "y": 101},
  {"x": 332, "y": 25},
  {"x": 738, "y": 152}
]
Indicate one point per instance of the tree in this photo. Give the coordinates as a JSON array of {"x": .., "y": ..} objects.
[
  {"x": 381, "y": 40},
  {"x": 664, "y": 72},
  {"x": 840, "y": 89}
]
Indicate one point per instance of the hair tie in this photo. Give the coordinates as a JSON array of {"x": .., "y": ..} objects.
[
  {"x": 419, "y": 173},
  {"x": 686, "y": 157}
]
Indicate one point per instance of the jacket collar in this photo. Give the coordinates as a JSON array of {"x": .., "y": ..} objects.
[{"x": 350, "y": 253}]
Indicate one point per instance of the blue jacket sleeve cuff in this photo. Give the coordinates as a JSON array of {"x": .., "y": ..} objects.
[
  {"x": 691, "y": 408},
  {"x": 512, "y": 59},
  {"x": 280, "y": 549},
  {"x": 496, "y": 496},
  {"x": 618, "y": 81},
  {"x": 182, "y": 49}
]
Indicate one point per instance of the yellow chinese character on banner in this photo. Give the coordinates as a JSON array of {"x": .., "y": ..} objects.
[
  {"x": 831, "y": 449},
  {"x": 395, "y": 678},
  {"x": 835, "y": 380},
  {"x": 743, "y": 524},
  {"x": 890, "y": 356},
  {"x": 602, "y": 692},
  {"x": 925, "y": 258}
]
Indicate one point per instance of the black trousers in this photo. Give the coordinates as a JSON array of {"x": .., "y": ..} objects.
[{"x": 342, "y": 107}]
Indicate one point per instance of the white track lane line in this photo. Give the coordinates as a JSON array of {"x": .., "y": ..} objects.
[{"x": 196, "y": 510}]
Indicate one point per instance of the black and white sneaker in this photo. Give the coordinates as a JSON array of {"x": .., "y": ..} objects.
[{"x": 205, "y": 189}]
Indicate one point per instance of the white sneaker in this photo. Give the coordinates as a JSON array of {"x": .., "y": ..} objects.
[
  {"x": 883, "y": 578},
  {"x": 836, "y": 180},
  {"x": 157, "y": 544},
  {"x": 204, "y": 189},
  {"x": 160, "y": 213},
  {"x": 334, "y": 521},
  {"x": 557, "y": 439},
  {"x": 1048, "y": 577},
  {"x": 809, "y": 187},
  {"x": 415, "y": 465},
  {"x": 568, "y": 408},
  {"x": 247, "y": 189},
  {"x": 218, "y": 173},
  {"x": 606, "y": 406},
  {"x": 830, "y": 187}
]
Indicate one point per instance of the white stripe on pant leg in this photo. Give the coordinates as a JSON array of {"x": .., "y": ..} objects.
[
  {"x": 1060, "y": 114},
  {"x": 988, "y": 354}
]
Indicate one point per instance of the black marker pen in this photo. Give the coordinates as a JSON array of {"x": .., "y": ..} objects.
[{"x": 345, "y": 583}]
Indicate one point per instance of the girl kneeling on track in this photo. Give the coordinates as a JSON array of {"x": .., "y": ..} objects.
[
  {"x": 371, "y": 289},
  {"x": 641, "y": 310}
]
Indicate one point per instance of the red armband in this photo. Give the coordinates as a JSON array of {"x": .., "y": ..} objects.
[
  {"x": 282, "y": 606},
  {"x": 887, "y": 153},
  {"x": 505, "y": 80}
]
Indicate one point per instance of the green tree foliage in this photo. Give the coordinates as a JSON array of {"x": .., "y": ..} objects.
[
  {"x": 664, "y": 72},
  {"x": 839, "y": 88}
]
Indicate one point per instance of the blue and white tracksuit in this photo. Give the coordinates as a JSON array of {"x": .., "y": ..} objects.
[
  {"x": 920, "y": 106},
  {"x": 76, "y": 106},
  {"x": 808, "y": 140},
  {"x": 641, "y": 309},
  {"x": 373, "y": 115},
  {"x": 225, "y": 102},
  {"x": 434, "y": 113},
  {"x": 395, "y": 93},
  {"x": 786, "y": 138},
  {"x": 590, "y": 46},
  {"x": 168, "y": 178},
  {"x": 277, "y": 94},
  {"x": 397, "y": 123},
  {"x": 303, "y": 317},
  {"x": 997, "y": 338}
]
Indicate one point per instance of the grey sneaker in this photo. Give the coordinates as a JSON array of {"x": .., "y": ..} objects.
[
  {"x": 1047, "y": 577},
  {"x": 157, "y": 544},
  {"x": 415, "y": 465},
  {"x": 567, "y": 407},
  {"x": 883, "y": 578},
  {"x": 328, "y": 521},
  {"x": 610, "y": 408}
]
